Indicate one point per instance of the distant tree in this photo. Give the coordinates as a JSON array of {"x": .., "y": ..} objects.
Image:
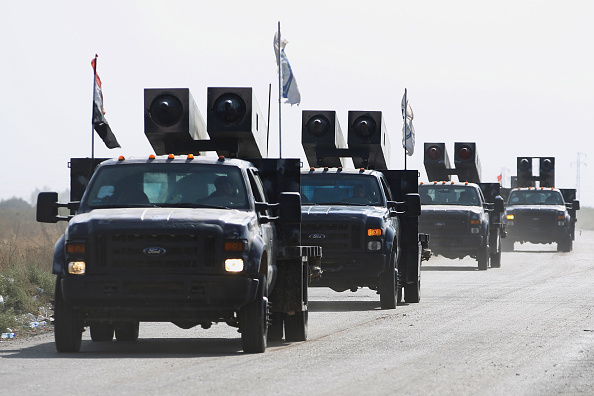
[{"x": 15, "y": 204}]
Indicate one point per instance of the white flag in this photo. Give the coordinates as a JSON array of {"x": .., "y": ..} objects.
[
  {"x": 408, "y": 131},
  {"x": 289, "y": 84}
]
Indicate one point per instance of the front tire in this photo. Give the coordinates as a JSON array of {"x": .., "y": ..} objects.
[
  {"x": 296, "y": 326},
  {"x": 483, "y": 257},
  {"x": 566, "y": 245},
  {"x": 253, "y": 321},
  {"x": 496, "y": 257},
  {"x": 127, "y": 331},
  {"x": 67, "y": 329},
  {"x": 102, "y": 332},
  {"x": 412, "y": 291},
  {"x": 507, "y": 245},
  {"x": 388, "y": 292}
]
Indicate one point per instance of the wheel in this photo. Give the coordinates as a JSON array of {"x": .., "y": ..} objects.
[
  {"x": 565, "y": 245},
  {"x": 483, "y": 257},
  {"x": 388, "y": 293},
  {"x": 399, "y": 288},
  {"x": 507, "y": 245},
  {"x": 412, "y": 292},
  {"x": 296, "y": 326},
  {"x": 101, "y": 332},
  {"x": 127, "y": 331},
  {"x": 67, "y": 329},
  {"x": 276, "y": 326},
  {"x": 496, "y": 257},
  {"x": 496, "y": 260},
  {"x": 253, "y": 321}
]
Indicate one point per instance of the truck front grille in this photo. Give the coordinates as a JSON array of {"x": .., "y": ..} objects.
[
  {"x": 333, "y": 236},
  {"x": 443, "y": 223},
  {"x": 169, "y": 251},
  {"x": 534, "y": 219}
]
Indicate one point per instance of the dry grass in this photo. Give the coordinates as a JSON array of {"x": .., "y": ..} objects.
[{"x": 26, "y": 254}]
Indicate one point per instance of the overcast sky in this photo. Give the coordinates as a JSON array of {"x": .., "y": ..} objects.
[{"x": 514, "y": 76}]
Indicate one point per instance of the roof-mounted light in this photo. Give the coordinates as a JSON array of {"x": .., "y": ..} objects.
[
  {"x": 171, "y": 156},
  {"x": 229, "y": 108},
  {"x": 166, "y": 110},
  {"x": 152, "y": 157},
  {"x": 121, "y": 158},
  {"x": 364, "y": 127},
  {"x": 190, "y": 156},
  {"x": 434, "y": 152}
]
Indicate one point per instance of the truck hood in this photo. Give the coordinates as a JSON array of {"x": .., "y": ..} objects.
[
  {"x": 157, "y": 219},
  {"x": 342, "y": 211},
  {"x": 438, "y": 209},
  {"x": 544, "y": 208}
]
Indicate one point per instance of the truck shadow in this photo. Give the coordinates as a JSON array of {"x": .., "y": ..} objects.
[
  {"x": 144, "y": 348},
  {"x": 344, "y": 306},
  {"x": 447, "y": 268}
]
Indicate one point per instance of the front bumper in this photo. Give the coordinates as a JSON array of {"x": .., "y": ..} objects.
[
  {"x": 536, "y": 233},
  {"x": 158, "y": 297},
  {"x": 462, "y": 244},
  {"x": 355, "y": 269}
]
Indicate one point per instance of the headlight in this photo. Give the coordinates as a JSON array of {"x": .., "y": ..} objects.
[
  {"x": 234, "y": 265},
  {"x": 77, "y": 267},
  {"x": 374, "y": 245}
]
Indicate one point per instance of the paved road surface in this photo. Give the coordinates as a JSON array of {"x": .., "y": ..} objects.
[{"x": 526, "y": 328}]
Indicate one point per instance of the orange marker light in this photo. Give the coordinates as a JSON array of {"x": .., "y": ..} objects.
[
  {"x": 75, "y": 248},
  {"x": 234, "y": 246},
  {"x": 374, "y": 232}
]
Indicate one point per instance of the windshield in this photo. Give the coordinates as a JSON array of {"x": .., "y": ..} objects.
[
  {"x": 448, "y": 195},
  {"x": 167, "y": 185},
  {"x": 342, "y": 189},
  {"x": 535, "y": 197}
]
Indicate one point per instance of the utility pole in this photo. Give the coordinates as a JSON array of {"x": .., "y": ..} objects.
[{"x": 578, "y": 164}]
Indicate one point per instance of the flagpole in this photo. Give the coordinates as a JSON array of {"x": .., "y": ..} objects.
[
  {"x": 404, "y": 118},
  {"x": 280, "y": 94},
  {"x": 268, "y": 121},
  {"x": 93, "y": 109}
]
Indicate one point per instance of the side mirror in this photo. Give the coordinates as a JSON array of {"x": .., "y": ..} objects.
[
  {"x": 261, "y": 208},
  {"x": 47, "y": 207},
  {"x": 575, "y": 205},
  {"x": 413, "y": 205},
  {"x": 499, "y": 205},
  {"x": 290, "y": 207},
  {"x": 488, "y": 206}
]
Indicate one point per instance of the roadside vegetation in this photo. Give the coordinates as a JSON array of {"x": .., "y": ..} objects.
[{"x": 26, "y": 281}]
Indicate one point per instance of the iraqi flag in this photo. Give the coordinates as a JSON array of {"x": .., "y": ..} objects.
[
  {"x": 408, "y": 131},
  {"x": 99, "y": 122},
  {"x": 290, "y": 89}
]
